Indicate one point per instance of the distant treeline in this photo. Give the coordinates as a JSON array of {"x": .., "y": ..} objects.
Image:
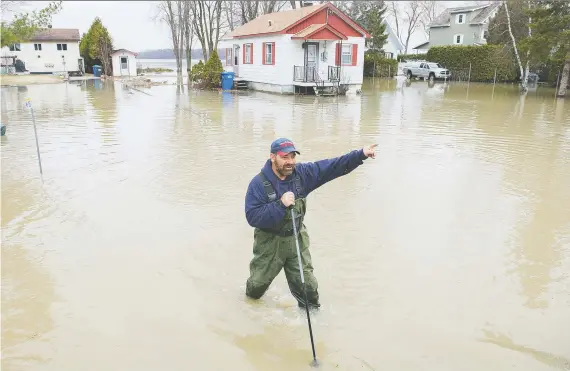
[{"x": 169, "y": 54}]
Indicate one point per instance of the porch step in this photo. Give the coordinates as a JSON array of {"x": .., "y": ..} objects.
[
  {"x": 241, "y": 84},
  {"x": 326, "y": 91}
]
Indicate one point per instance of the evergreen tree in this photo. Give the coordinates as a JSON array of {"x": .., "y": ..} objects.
[
  {"x": 96, "y": 46},
  {"x": 370, "y": 14}
]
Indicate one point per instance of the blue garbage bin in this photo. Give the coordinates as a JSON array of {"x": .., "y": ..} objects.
[
  {"x": 97, "y": 70},
  {"x": 227, "y": 80}
]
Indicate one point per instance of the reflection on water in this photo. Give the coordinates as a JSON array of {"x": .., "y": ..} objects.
[
  {"x": 27, "y": 294},
  {"x": 556, "y": 362},
  {"x": 138, "y": 230}
]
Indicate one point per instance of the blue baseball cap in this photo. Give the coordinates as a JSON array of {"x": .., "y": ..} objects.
[{"x": 283, "y": 146}]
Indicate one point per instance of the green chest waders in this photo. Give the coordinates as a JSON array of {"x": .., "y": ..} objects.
[{"x": 274, "y": 250}]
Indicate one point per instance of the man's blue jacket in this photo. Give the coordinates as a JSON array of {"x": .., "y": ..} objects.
[{"x": 263, "y": 214}]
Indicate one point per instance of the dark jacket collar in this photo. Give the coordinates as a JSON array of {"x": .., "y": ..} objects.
[{"x": 268, "y": 172}]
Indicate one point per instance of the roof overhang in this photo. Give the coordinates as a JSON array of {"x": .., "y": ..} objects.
[
  {"x": 467, "y": 9},
  {"x": 327, "y": 7},
  {"x": 323, "y": 32},
  {"x": 123, "y": 51}
]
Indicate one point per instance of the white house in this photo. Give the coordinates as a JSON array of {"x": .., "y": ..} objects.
[
  {"x": 290, "y": 51},
  {"x": 50, "y": 50},
  {"x": 124, "y": 63},
  {"x": 393, "y": 46}
]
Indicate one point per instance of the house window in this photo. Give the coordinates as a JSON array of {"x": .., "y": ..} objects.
[
  {"x": 15, "y": 48},
  {"x": 229, "y": 52},
  {"x": 37, "y": 46},
  {"x": 458, "y": 39},
  {"x": 389, "y": 55},
  {"x": 247, "y": 53},
  {"x": 61, "y": 46},
  {"x": 269, "y": 53},
  {"x": 460, "y": 19},
  {"x": 124, "y": 65},
  {"x": 346, "y": 55}
]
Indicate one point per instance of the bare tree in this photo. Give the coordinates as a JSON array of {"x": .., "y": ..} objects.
[
  {"x": 9, "y": 5},
  {"x": 413, "y": 14},
  {"x": 270, "y": 6},
  {"x": 242, "y": 11},
  {"x": 394, "y": 10},
  {"x": 430, "y": 11},
  {"x": 249, "y": 10},
  {"x": 524, "y": 76},
  {"x": 207, "y": 21},
  {"x": 231, "y": 11},
  {"x": 407, "y": 20},
  {"x": 170, "y": 12},
  {"x": 105, "y": 50},
  {"x": 188, "y": 34}
]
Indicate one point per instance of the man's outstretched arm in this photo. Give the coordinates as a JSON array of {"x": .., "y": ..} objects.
[{"x": 323, "y": 171}]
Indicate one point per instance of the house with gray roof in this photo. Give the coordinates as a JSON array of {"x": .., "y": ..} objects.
[
  {"x": 466, "y": 25},
  {"x": 48, "y": 51}
]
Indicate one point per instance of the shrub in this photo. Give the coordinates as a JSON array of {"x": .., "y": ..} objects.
[
  {"x": 197, "y": 72},
  {"x": 484, "y": 59},
  {"x": 375, "y": 64},
  {"x": 411, "y": 57},
  {"x": 213, "y": 70},
  {"x": 207, "y": 75}
]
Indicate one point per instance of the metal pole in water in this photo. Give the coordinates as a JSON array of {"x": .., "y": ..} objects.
[
  {"x": 29, "y": 105},
  {"x": 315, "y": 363},
  {"x": 469, "y": 78}
]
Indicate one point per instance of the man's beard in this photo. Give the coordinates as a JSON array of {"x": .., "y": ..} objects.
[{"x": 284, "y": 171}]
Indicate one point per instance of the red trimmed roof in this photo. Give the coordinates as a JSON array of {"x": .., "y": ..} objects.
[
  {"x": 283, "y": 22},
  {"x": 319, "y": 32}
]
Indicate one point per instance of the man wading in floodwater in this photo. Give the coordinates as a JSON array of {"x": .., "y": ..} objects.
[{"x": 281, "y": 184}]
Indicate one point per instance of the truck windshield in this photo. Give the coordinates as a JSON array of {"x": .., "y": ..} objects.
[{"x": 434, "y": 65}]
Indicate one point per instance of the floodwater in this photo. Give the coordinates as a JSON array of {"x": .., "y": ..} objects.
[{"x": 449, "y": 251}]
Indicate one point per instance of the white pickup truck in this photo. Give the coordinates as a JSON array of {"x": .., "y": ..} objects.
[{"x": 426, "y": 70}]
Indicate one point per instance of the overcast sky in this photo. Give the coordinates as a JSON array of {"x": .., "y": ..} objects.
[{"x": 131, "y": 23}]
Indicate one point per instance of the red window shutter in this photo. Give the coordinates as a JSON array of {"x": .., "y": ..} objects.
[
  {"x": 273, "y": 59},
  {"x": 263, "y": 53},
  {"x": 243, "y": 53},
  {"x": 354, "y": 53},
  {"x": 251, "y": 54},
  {"x": 338, "y": 54}
]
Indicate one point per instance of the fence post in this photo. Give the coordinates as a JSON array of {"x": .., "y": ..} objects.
[
  {"x": 389, "y": 71},
  {"x": 374, "y": 71},
  {"x": 494, "y": 81}
]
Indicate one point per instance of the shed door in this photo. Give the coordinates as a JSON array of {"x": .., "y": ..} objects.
[{"x": 124, "y": 66}]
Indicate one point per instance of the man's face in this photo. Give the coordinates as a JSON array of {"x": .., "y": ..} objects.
[{"x": 284, "y": 165}]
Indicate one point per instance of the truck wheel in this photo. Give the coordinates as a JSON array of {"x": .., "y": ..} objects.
[
  {"x": 431, "y": 77},
  {"x": 410, "y": 75}
]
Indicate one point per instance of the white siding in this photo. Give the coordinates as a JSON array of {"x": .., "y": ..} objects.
[
  {"x": 390, "y": 47},
  {"x": 290, "y": 53},
  {"x": 49, "y": 59},
  {"x": 281, "y": 73},
  {"x": 131, "y": 64}
]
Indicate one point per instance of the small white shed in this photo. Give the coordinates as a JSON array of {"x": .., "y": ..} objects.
[{"x": 124, "y": 63}]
